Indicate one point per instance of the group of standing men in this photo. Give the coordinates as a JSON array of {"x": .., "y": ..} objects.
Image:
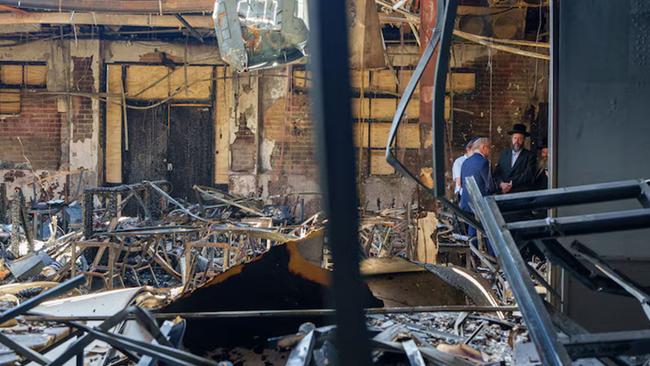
[{"x": 516, "y": 171}]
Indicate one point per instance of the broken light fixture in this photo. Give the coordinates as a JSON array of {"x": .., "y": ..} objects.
[{"x": 259, "y": 34}]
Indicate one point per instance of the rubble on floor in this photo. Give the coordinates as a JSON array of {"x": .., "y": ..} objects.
[
  {"x": 137, "y": 235},
  {"x": 231, "y": 279}
]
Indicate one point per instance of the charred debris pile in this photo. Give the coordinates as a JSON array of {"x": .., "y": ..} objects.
[{"x": 131, "y": 275}]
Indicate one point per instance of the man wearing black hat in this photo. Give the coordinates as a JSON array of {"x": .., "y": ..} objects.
[{"x": 515, "y": 171}]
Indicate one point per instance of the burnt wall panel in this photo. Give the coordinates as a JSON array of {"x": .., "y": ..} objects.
[
  {"x": 190, "y": 150},
  {"x": 145, "y": 158},
  {"x": 604, "y": 134}
]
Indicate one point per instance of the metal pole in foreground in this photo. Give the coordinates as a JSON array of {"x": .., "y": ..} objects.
[{"x": 335, "y": 153}]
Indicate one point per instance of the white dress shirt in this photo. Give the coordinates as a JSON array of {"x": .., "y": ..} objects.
[
  {"x": 455, "y": 171},
  {"x": 515, "y": 155}
]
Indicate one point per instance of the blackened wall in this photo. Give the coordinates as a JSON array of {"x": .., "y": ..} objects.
[{"x": 603, "y": 133}]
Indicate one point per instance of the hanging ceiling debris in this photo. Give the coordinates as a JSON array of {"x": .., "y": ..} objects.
[{"x": 260, "y": 34}]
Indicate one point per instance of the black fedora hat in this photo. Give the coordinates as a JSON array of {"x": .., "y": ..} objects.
[
  {"x": 519, "y": 128},
  {"x": 544, "y": 143}
]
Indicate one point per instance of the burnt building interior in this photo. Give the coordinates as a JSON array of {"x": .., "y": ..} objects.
[{"x": 304, "y": 182}]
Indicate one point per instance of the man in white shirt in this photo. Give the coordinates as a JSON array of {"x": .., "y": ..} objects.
[{"x": 458, "y": 164}]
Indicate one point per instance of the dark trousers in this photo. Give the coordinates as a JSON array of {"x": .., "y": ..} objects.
[{"x": 471, "y": 232}]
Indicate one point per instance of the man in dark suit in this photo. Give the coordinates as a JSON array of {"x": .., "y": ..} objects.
[
  {"x": 515, "y": 171},
  {"x": 477, "y": 166},
  {"x": 541, "y": 174}
]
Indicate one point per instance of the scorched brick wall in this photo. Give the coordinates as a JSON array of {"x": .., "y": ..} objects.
[
  {"x": 83, "y": 81},
  {"x": 38, "y": 127},
  {"x": 287, "y": 123}
]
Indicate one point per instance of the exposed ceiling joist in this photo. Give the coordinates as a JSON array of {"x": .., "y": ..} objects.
[
  {"x": 121, "y": 6},
  {"x": 136, "y": 20},
  {"x": 189, "y": 27}
]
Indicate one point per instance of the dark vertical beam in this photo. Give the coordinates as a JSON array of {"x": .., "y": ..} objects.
[
  {"x": 553, "y": 94},
  {"x": 3, "y": 203},
  {"x": 439, "y": 92},
  {"x": 556, "y": 274},
  {"x": 87, "y": 208},
  {"x": 333, "y": 123}
]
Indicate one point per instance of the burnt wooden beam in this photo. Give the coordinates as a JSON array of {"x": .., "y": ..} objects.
[
  {"x": 189, "y": 27},
  {"x": 121, "y": 6},
  {"x": 87, "y": 18}
]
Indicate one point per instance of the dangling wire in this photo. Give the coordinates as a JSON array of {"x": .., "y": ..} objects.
[{"x": 74, "y": 28}]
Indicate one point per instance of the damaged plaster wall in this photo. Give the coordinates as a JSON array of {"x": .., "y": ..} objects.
[
  {"x": 84, "y": 142},
  {"x": 287, "y": 154},
  {"x": 275, "y": 157},
  {"x": 73, "y": 151},
  {"x": 244, "y": 136}
]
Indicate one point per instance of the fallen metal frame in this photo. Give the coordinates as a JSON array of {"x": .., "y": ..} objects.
[
  {"x": 629, "y": 285},
  {"x": 507, "y": 238},
  {"x": 24, "y": 307},
  {"x": 217, "y": 195},
  {"x": 162, "y": 350}
]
